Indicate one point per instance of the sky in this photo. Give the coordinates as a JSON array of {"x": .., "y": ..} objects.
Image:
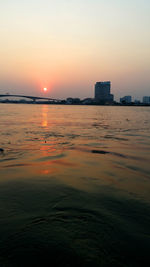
[{"x": 69, "y": 45}]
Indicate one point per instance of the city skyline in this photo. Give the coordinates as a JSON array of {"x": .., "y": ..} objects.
[
  {"x": 102, "y": 91},
  {"x": 102, "y": 96},
  {"x": 67, "y": 46}
]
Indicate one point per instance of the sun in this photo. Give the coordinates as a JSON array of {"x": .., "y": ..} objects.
[{"x": 45, "y": 89}]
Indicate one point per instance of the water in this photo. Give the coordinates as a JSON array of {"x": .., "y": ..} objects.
[{"x": 74, "y": 185}]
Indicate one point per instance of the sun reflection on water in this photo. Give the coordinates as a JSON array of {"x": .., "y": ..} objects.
[{"x": 44, "y": 115}]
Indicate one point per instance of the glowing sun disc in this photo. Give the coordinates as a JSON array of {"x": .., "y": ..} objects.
[{"x": 44, "y": 89}]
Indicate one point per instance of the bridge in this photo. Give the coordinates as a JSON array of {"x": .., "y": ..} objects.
[{"x": 34, "y": 98}]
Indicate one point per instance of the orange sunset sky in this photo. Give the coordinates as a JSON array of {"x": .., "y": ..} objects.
[{"x": 68, "y": 45}]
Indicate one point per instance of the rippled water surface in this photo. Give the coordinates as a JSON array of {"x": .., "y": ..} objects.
[{"x": 74, "y": 185}]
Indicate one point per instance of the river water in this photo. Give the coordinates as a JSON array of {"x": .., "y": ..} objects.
[{"x": 74, "y": 185}]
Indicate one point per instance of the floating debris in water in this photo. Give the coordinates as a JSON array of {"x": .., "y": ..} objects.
[
  {"x": 100, "y": 151},
  {"x": 107, "y": 152}
]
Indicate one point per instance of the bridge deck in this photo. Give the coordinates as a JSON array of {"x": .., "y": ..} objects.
[{"x": 30, "y": 97}]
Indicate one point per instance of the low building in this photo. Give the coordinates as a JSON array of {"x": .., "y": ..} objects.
[
  {"x": 126, "y": 99},
  {"x": 136, "y": 101},
  {"x": 71, "y": 100},
  {"x": 87, "y": 101},
  {"x": 146, "y": 99}
]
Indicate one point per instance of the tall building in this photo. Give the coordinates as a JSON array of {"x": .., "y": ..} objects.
[{"x": 102, "y": 92}]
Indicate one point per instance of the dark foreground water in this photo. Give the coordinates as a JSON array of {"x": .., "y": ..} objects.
[{"x": 74, "y": 186}]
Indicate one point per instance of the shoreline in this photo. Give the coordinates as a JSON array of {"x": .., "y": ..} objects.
[{"x": 79, "y": 104}]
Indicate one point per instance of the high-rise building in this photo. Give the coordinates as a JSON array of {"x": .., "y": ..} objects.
[{"x": 102, "y": 92}]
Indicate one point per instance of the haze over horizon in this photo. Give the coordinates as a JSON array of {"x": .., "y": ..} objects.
[{"x": 66, "y": 46}]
